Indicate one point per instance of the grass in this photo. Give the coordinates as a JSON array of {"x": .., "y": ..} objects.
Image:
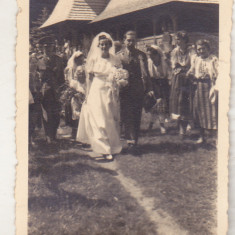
[
  {"x": 180, "y": 175},
  {"x": 71, "y": 194}
]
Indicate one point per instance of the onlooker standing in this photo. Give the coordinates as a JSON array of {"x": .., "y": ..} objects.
[
  {"x": 204, "y": 68},
  {"x": 67, "y": 49},
  {"x": 38, "y": 49},
  {"x": 180, "y": 84},
  {"x": 118, "y": 46},
  {"x": 158, "y": 72},
  {"x": 51, "y": 73},
  {"x": 131, "y": 96},
  {"x": 32, "y": 119},
  {"x": 34, "y": 83},
  {"x": 75, "y": 93},
  {"x": 34, "y": 86}
]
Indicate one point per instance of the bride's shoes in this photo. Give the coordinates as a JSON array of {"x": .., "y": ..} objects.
[{"x": 109, "y": 157}]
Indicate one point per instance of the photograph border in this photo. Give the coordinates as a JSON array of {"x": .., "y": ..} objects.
[{"x": 22, "y": 70}]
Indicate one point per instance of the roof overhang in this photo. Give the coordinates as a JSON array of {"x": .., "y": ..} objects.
[
  {"x": 121, "y": 7},
  {"x": 75, "y": 10}
]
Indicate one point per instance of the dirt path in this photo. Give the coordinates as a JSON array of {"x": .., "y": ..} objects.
[{"x": 164, "y": 223}]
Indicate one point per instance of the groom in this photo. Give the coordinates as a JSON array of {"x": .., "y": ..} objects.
[{"x": 132, "y": 96}]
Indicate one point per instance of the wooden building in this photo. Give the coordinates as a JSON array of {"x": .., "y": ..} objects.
[
  {"x": 70, "y": 19},
  {"x": 153, "y": 20}
]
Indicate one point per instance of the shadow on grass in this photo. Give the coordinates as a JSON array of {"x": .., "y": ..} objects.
[
  {"x": 163, "y": 148},
  {"x": 42, "y": 148},
  {"x": 70, "y": 194},
  {"x": 156, "y": 132},
  {"x": 57, "y": 170},
  {"x": 66, "y": 200},
  {"x": 65, "y": 164},
  {"x": 168, "y": 148},
  {"x": 174, "y": 148}
]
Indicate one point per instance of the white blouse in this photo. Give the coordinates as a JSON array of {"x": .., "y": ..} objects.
[
  {"x": 201, "y": 68},
  {"x": 178, "y": 57}
]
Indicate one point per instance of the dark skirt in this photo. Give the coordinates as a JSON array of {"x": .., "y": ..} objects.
[
  {"x": 180, "y": 96},
  {"x": 161, "y": 91},
  {"x": 205, "y": 113}
]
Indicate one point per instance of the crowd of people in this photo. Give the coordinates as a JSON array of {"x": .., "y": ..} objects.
[{"x": 102, "y": 94}]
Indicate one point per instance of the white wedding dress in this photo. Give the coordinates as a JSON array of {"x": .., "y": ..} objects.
[{"x": 99, "y": 122}]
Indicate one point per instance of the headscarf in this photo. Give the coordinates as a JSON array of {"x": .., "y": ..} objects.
[
  {"x": 163, "y": 63},
  {"x": 71, "y": 63},
  {"x": 158, "y": 49}
]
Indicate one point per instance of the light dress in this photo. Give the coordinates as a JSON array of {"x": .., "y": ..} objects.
[{"x": 100, "y": 116}]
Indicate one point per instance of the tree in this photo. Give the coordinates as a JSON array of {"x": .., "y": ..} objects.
[{"x": 35, "y": 32}]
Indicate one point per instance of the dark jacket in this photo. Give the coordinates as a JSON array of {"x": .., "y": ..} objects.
[
  {"x": 136, "y": 64},
  {"x": 51, "y": 70}
]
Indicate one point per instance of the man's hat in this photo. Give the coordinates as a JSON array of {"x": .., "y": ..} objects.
[{"x": 47, "y": 40}]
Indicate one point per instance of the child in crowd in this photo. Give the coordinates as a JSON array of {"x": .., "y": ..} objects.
[
  {"x": 75, "y": 93},
  {"x": 158, "y": 72}
]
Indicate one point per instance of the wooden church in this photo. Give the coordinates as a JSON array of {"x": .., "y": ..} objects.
[{"x": 154, "y": 21}]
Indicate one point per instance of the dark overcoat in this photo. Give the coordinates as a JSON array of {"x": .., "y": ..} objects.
[{"x": 52, "y": 78}]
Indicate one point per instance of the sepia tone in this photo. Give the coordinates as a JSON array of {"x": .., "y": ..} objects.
[{"x": 145, "y": 159}]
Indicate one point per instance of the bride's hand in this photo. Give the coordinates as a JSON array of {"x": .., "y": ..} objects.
[{"x": 122, "y": 83}]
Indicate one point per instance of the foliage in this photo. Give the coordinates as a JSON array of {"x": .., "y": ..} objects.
[{"x": 35, "y": 31}]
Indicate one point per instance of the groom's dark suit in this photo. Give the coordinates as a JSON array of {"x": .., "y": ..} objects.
[{"x": 131, "y": 97}]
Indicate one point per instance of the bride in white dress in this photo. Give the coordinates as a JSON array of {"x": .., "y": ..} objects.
[{"x": 99, "y": 123}]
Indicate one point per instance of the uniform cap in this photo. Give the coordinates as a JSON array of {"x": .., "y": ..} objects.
[{"x": 47, "y": 40}]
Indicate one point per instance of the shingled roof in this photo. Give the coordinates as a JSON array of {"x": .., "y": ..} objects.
[
  {"x": 80, "y": 10},
  {"x": 121, "y": 7}
]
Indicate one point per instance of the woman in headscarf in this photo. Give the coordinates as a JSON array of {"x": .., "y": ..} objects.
[
  {"x": 75, "y": 93},
  {"x": 158, "y": 72},
  {"x": 181, "y": 58},
  {"x": 99, "y": 123},
  {"x": 204, "y": 69}
]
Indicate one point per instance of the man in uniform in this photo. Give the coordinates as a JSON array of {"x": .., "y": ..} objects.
[
  {"x": 132, "y": 96},
  {"x": 35, "y": 104},
  {"x": 50, "y": 68}
]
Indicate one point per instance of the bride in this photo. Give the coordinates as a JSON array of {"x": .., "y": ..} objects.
[{"x": 99, "y": 123}]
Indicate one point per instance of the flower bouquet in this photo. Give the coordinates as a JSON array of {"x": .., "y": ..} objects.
[
  {"x": 67, "y": 94},
  {"x": 119, "y": 76}
]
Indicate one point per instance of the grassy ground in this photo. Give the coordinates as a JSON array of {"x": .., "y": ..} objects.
[{"x": 69, "y": 193}]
